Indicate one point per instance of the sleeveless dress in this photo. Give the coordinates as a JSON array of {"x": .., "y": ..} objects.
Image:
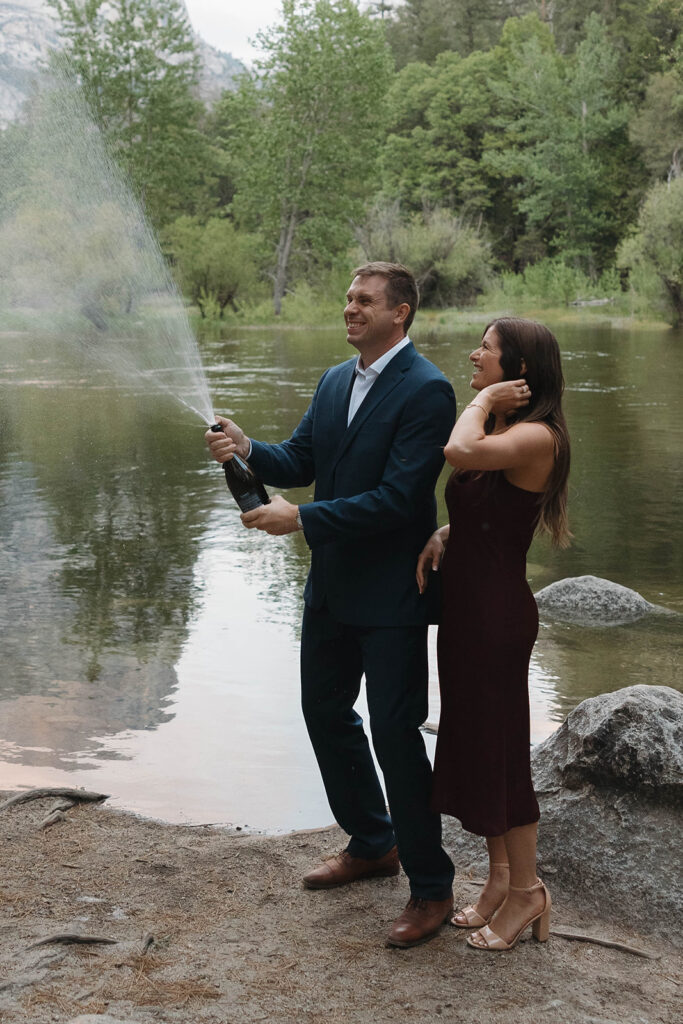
[{"x": 489, "y": 623}]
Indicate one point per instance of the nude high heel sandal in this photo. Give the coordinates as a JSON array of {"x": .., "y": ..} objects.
[
  {"x": 473, "y": 919},
  {"x": 540, "y": 927}
]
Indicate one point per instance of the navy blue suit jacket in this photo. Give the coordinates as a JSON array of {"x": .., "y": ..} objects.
[{"x": 374, "y": 505}]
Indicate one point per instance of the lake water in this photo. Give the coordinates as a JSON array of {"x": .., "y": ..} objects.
[{"x": 149, "y": 644}]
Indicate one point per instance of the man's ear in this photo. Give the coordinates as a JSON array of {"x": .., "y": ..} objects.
[
  {"x": 522, "y": 368},
  {"x": 402, "y": 312}
]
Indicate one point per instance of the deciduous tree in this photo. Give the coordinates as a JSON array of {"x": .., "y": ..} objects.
[
  {"x": 138, "y": 63},
  {"x": 448, "y": 255},
  {"x": 657, "y": 127},
  {"x": 214, "y": 263},
  {"x": 564, "y": 147},
  {"x": 306, "y": 153},
  {"x": 657, "y": 243}
]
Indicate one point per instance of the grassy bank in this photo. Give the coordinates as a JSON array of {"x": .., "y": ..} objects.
[
  {"x": 460, "y": 319},
  {"x": 547, "y": 291},
  {"x": 455, "y": 319}
]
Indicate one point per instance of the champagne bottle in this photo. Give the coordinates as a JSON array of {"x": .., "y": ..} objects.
[{"x": 243, "y": 484}]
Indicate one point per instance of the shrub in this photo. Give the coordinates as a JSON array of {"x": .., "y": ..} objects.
[
  {"x": 449, "y": 256},
  {"x": 214, "y": 263}
]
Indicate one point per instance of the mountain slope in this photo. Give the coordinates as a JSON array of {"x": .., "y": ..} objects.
[{"x": 28, "y": 29}]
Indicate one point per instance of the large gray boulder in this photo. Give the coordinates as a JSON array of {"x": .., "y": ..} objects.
[
  {"x": 630, "y": 741},
  {"x": 610, "y": 784},
  {"x": 592, "y": 601}
]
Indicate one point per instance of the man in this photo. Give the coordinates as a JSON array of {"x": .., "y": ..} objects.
[{"x": 372, "y": 438}]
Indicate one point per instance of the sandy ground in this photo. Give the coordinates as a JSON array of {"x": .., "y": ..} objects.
[{"x": 237, "y": 938}]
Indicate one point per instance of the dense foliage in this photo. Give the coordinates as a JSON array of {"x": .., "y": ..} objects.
[
  {"x": 139, "y": 66},
  {"x": 488, "y": 143}
]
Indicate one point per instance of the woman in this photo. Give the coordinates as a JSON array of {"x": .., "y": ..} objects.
[{"x": 510, "y": 453}]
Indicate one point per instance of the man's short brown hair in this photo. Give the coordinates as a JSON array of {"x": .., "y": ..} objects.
[{"x": 400, "y": 287}]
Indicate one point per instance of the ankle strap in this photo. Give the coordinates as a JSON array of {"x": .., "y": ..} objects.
[{"x": 538, "y": 884}]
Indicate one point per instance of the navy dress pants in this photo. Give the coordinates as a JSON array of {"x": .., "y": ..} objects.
[{"x": 334, "y": 657}]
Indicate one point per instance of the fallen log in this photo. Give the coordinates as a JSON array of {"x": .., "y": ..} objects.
[{"x": 76, "y": 795}]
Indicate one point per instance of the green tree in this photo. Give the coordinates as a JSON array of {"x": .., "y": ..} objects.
[
  {"x": 657, "y": 127},
  {"x": 665, "y": 22},
  {"x": 306, "y": 144},
  {"x": 422, "y": 29},
  {"x": 438, "y": 123},
  {"x": 564, "y": 148},
  {"x": 214, "y": 263},
  {"x": 444, "y": 121},
  {"x": 657, "y": 243},
  {"x": 138, "y": 63},
  {"x": 222, "y": 123},
  {"x": 643, "y": 33}
]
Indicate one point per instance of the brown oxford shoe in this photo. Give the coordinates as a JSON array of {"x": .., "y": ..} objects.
[
  {"x": 419, "y": 922},
  {"x": 344, "y": 868}
]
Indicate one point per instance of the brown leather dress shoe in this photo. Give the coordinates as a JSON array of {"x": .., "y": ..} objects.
[
  {"x": 419, "y": 922},
  {"x": 344, "y": 868}
]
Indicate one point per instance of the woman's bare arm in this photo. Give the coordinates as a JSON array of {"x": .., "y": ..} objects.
[{"x": 520, "y": 446}]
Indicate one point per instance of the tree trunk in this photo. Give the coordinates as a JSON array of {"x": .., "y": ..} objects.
[
  {"x": 675, "y": 291},
  {"x": 284, "y": 249}
]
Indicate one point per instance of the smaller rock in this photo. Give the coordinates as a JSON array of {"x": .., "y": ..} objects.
[{"x": 592, "y": 601}]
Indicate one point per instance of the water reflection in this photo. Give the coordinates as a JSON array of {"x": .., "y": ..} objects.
[{"x": 150, "y": 645}]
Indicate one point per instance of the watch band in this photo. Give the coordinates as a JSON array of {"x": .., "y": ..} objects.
[{"x": 299, "y": 524}]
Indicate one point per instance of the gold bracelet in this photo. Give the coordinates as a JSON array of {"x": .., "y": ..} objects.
[{"x": 475, "y": 405}]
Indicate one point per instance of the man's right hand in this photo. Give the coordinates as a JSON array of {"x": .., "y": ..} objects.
[{"x": 230, "y": 441}]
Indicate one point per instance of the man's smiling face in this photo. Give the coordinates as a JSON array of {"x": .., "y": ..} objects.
[{"x": 370, "y": 322}]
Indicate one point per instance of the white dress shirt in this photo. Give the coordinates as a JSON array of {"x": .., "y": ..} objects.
[{"x": 364, "y": 379}]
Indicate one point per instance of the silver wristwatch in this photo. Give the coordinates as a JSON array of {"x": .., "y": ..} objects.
[{"x": 299, "y": 524}]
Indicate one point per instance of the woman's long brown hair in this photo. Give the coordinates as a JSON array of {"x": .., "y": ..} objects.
[{"x": 531, "y": 342}]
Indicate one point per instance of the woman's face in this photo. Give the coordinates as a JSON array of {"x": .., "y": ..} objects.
[{"x": 486, "y": 359}]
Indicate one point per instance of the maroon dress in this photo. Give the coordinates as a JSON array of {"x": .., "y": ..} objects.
[{"x": 489, "y": 623}]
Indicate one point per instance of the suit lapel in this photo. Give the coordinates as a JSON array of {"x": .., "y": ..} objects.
[
  {"x": 392, "y": 375},
  {"x": 342, "y": 395}
]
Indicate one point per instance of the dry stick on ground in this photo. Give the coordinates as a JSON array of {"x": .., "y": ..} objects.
[
  {"x": 621, "y": 946},
  {"x": 76, "y": 795},
  {"x": 68, "y": 938}
]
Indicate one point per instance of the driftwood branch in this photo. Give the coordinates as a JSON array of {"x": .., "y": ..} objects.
[
  {"x": 75, "y": 795},
  {"x": 67, "y": 938},
  {"x": 621, "y": 946},
  {"x": 62, "y": 805},
  {"x": 52, "y": 819}
]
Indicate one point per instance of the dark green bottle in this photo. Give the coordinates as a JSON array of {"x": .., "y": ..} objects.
[{"x": 243, "y": 484}]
